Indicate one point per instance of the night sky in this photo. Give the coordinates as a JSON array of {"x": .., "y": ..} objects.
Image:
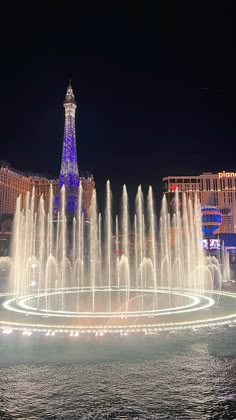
[{"x": 155, "y": 88}]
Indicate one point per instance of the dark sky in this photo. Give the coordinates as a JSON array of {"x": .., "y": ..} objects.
[{"x": 155, "y": 87}]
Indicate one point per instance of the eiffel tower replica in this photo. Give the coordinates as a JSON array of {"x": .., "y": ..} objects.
[{"x": 69, "y": 173}]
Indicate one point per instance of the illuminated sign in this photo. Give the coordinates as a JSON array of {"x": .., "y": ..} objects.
[
  {"x": 214, "y": 243},
  {"x": 227, "y": 174},
  {"x": 205, "y": 243}
]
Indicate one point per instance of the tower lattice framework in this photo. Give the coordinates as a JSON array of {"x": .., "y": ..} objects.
[{"x": 69, "y": 174}]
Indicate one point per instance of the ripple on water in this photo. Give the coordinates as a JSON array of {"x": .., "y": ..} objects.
[{"x": 164, "y": 377}]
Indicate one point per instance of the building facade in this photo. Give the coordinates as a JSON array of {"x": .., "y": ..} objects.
[
  {"x": 218, "y": 190},
  {"x": 14, "y": 183},
  {"x": 88, "y": 185}
]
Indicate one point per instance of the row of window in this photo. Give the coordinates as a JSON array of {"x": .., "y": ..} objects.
[
  {"x": 184, "y": 181},
  {"x": 204, "y": 184}
]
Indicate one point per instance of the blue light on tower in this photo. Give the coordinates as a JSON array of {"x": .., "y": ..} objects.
[{"x": 69, "y": 174}]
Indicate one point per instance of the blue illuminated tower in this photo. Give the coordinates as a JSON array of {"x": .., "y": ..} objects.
[{"x": 69, "y": 174}]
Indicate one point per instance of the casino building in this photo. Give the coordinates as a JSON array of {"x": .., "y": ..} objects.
[
  {"x": 218, "y": 190},
  {"x": 14, "y": 182}
]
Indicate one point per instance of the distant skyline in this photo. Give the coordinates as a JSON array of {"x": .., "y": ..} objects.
[{"x": 155, "y": 88}]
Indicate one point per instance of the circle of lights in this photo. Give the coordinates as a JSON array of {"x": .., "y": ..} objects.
[
  {"x": 21, "y": 305},
  {"x": 214, "y": 320}
]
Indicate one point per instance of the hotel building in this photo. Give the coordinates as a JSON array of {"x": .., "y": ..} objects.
[
  {"x": 217, "y": 190},
  {"x": 14, "y": 183}
]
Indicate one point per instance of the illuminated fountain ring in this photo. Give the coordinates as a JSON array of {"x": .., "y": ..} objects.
[
  {"x": 51, "y": 254},
  {"x": 196, "y": 311},
  {"x": 25, "y": 304}
]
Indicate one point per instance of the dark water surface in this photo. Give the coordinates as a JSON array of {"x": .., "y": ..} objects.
[{"x": 190, "y": 375}]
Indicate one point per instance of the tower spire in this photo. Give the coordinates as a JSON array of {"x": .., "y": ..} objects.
[{"x": 69, "y": 174}]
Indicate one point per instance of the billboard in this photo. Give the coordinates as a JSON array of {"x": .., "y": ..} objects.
[
  {"x": 214, "y": 243},
  {"x": 205, "y": 243}
]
